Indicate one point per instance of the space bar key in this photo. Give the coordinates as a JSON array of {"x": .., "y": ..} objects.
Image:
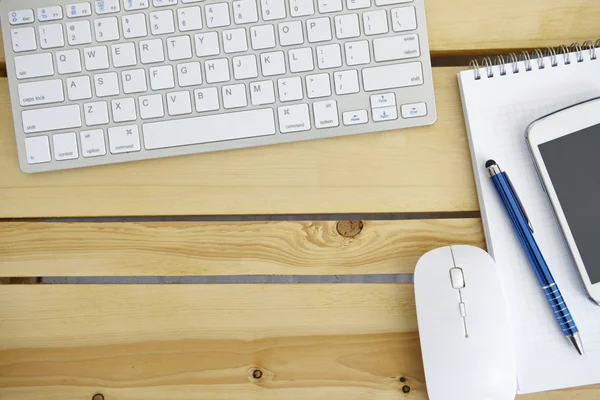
[{"x": 210, "y": 128}]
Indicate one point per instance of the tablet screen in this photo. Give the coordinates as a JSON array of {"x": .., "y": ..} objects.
[{"x": 573, "y": 163}]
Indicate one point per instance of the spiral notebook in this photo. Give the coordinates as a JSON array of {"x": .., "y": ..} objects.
[{"x": 500, "y": 98}]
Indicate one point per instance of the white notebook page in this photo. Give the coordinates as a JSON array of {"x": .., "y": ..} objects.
[{"x": 497, "y": 112}]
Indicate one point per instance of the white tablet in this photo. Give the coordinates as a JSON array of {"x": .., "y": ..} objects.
[{"x": 566, "y": 149}]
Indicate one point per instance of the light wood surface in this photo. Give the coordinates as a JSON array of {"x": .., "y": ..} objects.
[
  {"x": 474, "y": 27},
  {"x": 234, "y": 248},
  {"x": 414, "y": 170},
  {"x": 322, "y": 341}
]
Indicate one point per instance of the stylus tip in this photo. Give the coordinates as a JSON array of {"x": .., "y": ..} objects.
[{"x": 489, "y": 163}]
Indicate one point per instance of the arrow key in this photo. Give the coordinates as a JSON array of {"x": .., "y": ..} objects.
[
  {"x": 385, "y": 114},
  {"x": 355, "y": 117}
]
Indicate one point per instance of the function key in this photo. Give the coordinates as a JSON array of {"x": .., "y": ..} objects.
[
  {"x": 107, "y": 6},
  {"x": 19, "y": 17},
  {"x": 49, "y": 13},
  {"x": 162, "y": 3},
  {"x": 130, "y": 5},
  {"x": 79, "y": 10}
]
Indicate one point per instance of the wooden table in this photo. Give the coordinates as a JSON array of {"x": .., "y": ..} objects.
[{"x": 253, "y": 341}]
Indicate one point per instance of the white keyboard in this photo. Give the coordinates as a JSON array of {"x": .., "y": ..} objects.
[{"x": 119, "y": 80}]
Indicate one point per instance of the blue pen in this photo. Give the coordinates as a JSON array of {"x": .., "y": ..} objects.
[{"x": 520, "y": 222}]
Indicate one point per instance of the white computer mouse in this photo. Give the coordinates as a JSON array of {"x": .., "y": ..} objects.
[{"x": 466, "y": 338}]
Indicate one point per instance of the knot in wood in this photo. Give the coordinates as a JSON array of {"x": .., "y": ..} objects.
[{"x": 349, "y": 229}]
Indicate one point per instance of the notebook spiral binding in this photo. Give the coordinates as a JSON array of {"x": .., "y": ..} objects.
[{"x": 500, "y": 63}]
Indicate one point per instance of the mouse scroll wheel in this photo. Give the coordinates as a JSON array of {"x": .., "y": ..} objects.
[{"x": 457, "y": 278}]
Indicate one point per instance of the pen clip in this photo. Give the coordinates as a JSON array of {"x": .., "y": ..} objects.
[{"x": 512, "y": 188}]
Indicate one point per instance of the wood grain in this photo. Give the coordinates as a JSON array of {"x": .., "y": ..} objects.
[
  {"x": 235, "y": 248},
  {"x": 473, "y": 27},
  {"x": 415, "y": 170},
  {"x": 185, "y": 342}
]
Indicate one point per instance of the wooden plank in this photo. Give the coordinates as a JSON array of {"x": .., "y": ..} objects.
[
  {"x": 466, "y": 26},
  {"x": 414, "y": 170},
  {"x": 181, "y": 342},
  {"x": 232, "y": 248}
]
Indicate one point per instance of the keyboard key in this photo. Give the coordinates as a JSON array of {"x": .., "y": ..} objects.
[
  {"x": 162, "y": 77},
  {"x": 123, "y": 110},
  {"x": 207, "y": 44},
  {"x": 65, "y": 146},
  {"x": 23, "y": 39},
  {"x": 234, "y": 41},
  {"x": 357, "y": 53},
  {"x": 79, "y": 32},
  {"x": 301, "y": 8},
  {"x": 68, "y": 61},
  {"x": 134, "y": 81},
  {"x": 206, "y": 99},
  {"x": 293, "y": 118},
  {"x": 107, "y": 6},
  {"x": 107, "y": 29},
  {"x": 272, "y": 9},
  {"x": 37, "y": 149},
  {"x": 346, "y": 82},
  {"x": 375, "y": 22},
  {"x": 234, "y": 96},
  {"x": 179, "y": 103},
  {"x": 131, "y": 5},
  {"x": 217, "y": 70},
  {"x": 34, "y": 66},
  {"x": 217, "y": 15},
  {"x": 392, "y": 76},
  {"x": 134, "y": 26},
  {"x": 161, "y": 22},
  {"x": 78, "y": 10},
  {"x": 95, "y": 113},
  {"x": 347, "y": 26},
  {"x": 262, "y": 37},
  {"x": 290, "y": 33},
  {"x": 123, "y": 55},
  {"x": 189, "y": 19},
  {"x": 106, "y": 84},
  {"x": 262, "y": 92},
  {"x": 244, "y": 11},
  {"x": 318, "y": 85},
  {"x": 151, "y": 106},
  {"x": 383, "y": 100},
  {"x": 355, "y": 117},
  {"x": 396, "y": 48},
  {"x": 179, "y": 48},
  {"x": 413, "y": 110},
  {"x": 385, "y": 114},
  {"x": 92, "y": 143},
  {"x": 327, "y": 6},
  {"x": 326, "y": 114},
  {"x": 319, "y": 30},
  {"x": 41, "y": 92},
  {"x": 51, "y": 36},
  {"x": 19, "y": 17},
  {"x": 96, "y": 58},
  {"x": 151, "y": 51},
  {"x": 329, "y": 56},
  {"x": 163, "y": 3},
  {"x": 189, "y": 74},
  {"x": 51, "y": 119},
  {"x": 388, "y": 2},
  {"x": 290, "y": 89},
  {"x": 124, "y": 139},
  {"x": 52, "y": 13},
  {"x": 357, "y": 4},
  {"x": 79, "y": 88},
  {"x": 181, "y": 132},
  {"x": 404, "y": 19},
  {"x": 244, "y": 67},
  {"x": 272, "y": 63},
  {"x": 301, "y": 60}
]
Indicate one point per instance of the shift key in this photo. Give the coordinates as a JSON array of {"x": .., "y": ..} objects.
[
  {"x": 51, "y": 119},
  {"x": 392, "y": 76}
]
